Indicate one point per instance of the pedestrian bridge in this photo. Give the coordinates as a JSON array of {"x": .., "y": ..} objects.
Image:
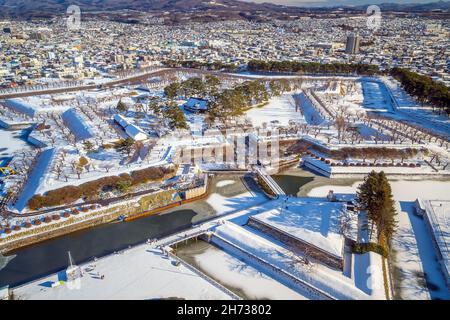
[{"x": 262, "y": 173}]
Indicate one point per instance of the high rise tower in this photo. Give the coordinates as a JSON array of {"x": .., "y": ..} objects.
[{"x": 352, "y": 46}]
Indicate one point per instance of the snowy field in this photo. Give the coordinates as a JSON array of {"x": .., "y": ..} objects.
[
  {"x": 226, "y": 205},
  {"x": 141, "y": 273},
  {"x": 11, "y": 142},
  {"x": 376, "y": 97},
  {"x": 409, "y": 106},
  {"x": 224, "y": 183},
  {"x": 415, "y": 254},
  {"x": 232, "y": 272},
  {"x": 314, "y": 221},
  {"x": 280, "y": 108}
]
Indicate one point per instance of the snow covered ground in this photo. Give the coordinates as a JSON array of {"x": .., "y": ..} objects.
[
  {"x": 310, "y": 114},
  {"x": 415, "y": 255},
  {"x": 77, "y": 124},
  {"x": 36, "y": 178},
  {"x": 313, "y": 221},
  {"x": 140, "y": 273},
  {"x": 371, "y": 134},
  {"x": 11, "y": 142},
  {"x": 407, "y": 105},
  {"x": 437, "y": 216},
  {"x": 376, "y": 97},
  {"x": 21, "y": 106},
  {"x": 280, "y": 108},
  {"x": 235, "y": 273},
  {"x": 224, "y": 183},
  {"x": 225, "y": 205}
]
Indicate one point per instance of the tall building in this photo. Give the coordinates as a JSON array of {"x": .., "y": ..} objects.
[{"x": 352, "y": 46}]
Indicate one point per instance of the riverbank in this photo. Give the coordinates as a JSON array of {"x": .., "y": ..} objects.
[
  {"x": 131, "y": 209},
  {"x": 34, "y": 261}
]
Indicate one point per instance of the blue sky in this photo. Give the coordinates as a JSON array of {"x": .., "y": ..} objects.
[{"x": 337, "y": 2}]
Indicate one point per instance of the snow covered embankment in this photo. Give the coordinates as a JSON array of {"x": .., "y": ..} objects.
[
  {"x": 323, "y": 282},
  {"x": 77, "y": 125},
  {"x": 36, "y": 178}
]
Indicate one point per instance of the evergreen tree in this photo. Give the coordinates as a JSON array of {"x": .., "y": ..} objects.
[
  {"x": 175, "y": 116},
  {"x": 211, "y": 83},
  {"x": 125, "y": 145},
  {"x": 121, "y": 107},
  {"x": 387, "y": 223},
  {"x": 375, "y": 197},
  {"x": 172, "y": 90},
  {"x": 155, "y": 107}
]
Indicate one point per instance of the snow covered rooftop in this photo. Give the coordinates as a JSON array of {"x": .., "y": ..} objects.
[
  {"x": 312, "y": 221},
  {"x": 132, "y": 130}
]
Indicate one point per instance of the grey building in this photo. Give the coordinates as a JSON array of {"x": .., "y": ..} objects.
[{"x": 352, "y": 46}]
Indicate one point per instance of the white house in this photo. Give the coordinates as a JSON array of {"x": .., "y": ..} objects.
[
  {"x": 133, "y": 131},
  {"x": 136, "y": 133}
]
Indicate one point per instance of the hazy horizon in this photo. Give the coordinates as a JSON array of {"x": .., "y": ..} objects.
[{"x": 337, "y": 2}]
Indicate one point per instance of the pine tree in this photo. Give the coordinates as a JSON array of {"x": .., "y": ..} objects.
[
  {"x": 175, "y": 116},
  {"x": 125, "y": 145},
  {"x": 387, "y": 212},
  {"x": 172, "y": 90},
  {"x": 121, "y": 107},
  {"x": 375, "y": 197}
]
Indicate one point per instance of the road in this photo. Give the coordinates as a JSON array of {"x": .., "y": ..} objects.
[
  {"x": 128, "y": 80},
  {"x": 136, "y": 79}
]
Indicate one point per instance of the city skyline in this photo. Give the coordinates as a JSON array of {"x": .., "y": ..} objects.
[{"x": 328, "y": 3}]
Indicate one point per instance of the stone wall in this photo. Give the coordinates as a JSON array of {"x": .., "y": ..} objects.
[{"x": 57, "y": 232}]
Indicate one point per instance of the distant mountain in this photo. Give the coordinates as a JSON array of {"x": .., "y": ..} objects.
[
  {"x": 414, "y": 7},
  {"x": 21, "y": 7},
  {"x": 44, "y": 8}
]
